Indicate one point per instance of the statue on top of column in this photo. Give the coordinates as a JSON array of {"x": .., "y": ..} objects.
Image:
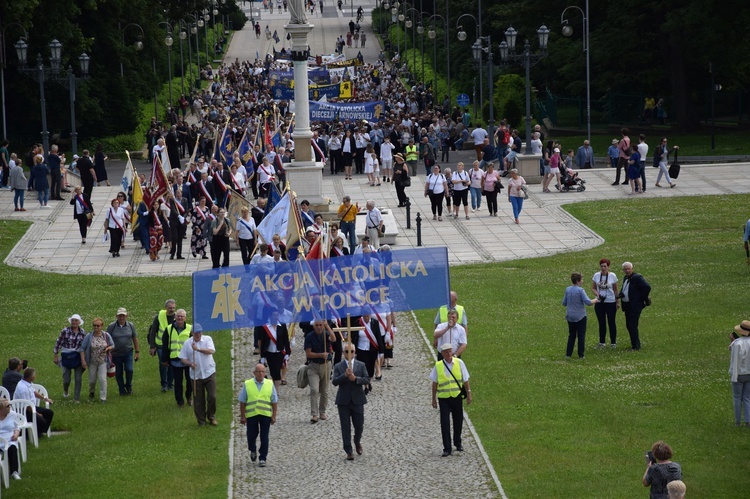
[{"x": 297, "y": 11}]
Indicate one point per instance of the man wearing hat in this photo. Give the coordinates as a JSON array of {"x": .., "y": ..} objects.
[
  {"x": 613, "y": 153},
  {"x": 400, "y": 178},
  {"x": 198, "y": 354},
  {"x": 450, "y": 379},
  {"x": 739, "y": 370},
  {"x": 125, "y": 339},
  {"x": 67, "y": 352}
]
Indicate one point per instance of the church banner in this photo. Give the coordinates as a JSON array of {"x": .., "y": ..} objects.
[
  {"x": 331, "y": 288},
  {"x": 315, "y": 92},
  {"x": 355, "y": 111}
]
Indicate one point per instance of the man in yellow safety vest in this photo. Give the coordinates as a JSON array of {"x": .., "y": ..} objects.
[
  {"x": 172, "y": 340},
  {"x": 258, "y": 402},
  {"x": 450, "y": 382},
  {"x": 159, "y": 325}
]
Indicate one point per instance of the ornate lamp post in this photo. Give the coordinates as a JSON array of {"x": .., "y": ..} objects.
[
  {"x": 431, "y": 34},
  {"x": 508, "y": 54},
  {"x": 169, "y": 41},
  {"x": 462, "y": 37},
  {"x": 567, "y": 30},
  {"x": 409, "y": 25},
  {"x": 40, "y": 73},
  {"x": 476, "y": 50}
]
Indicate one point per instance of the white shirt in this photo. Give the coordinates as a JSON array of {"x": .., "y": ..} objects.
[
  {"x": 204, "y": 362},
  {"x": 265, "y": 172},
  {"x": 479, "y": 134},
  {"x": 643, "y": 150},
  {"x": 436, "y": 183},
  {"x": 24, "y": 391},
  {"x": 258, "y": 258},
  {"x": 358, "y": 249},
  {"x": 457, "y": 177},
  {"x": 386, "y": 150},
  {"x": 374, "y": 218},
  {"x": 464, "y": 371},
  {"x": 246, "y": 228},
  {"x": 456, "y": 335},
  {"x": 604, "y": 286}
]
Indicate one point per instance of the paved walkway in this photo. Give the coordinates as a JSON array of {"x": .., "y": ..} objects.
[{"x": 401, "y": 440}]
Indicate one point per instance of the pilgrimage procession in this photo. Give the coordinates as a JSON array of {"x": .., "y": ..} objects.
[{"x": 280, "y": 270}]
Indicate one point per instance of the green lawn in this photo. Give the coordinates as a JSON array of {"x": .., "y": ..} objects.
[
  {"x": 552, "y": 428},
  {"x": 557, "y": 428},
  {"x": 728, "y": 143},
  {"x": 131, "y": 446}
]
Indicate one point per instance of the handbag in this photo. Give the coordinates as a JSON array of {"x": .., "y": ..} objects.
[
  {"x": 111, "y": 369},
  {"x": 71, "y": 359},
  {"x": 498, "y": 186},
  {"x": 525, "y": 191},
  {"x": 302, "y": 379},
  {"x": 464, "y": 394},
  {"x": 382, "y": 231},
  {"x": 407, "y": 182}
]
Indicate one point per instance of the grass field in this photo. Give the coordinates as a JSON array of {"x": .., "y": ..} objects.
[
  {"x": 552, "y": 428},
  {"x": 135, "y": 446},
  {"x": 557, "y": 428}
]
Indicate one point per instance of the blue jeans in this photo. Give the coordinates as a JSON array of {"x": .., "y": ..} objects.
[
  {"x": 258, "y": 425},
  {"x": 349, "y": 229},
  {"x": 124, "y": 363},
  {"x": 476, "y": 197},
  {"x": 18, "y": 196},
  {"x": 517, "y": 203},
  {"x": 576, "y": 330},
  {"x": 613, "y": 162},
  {"x": 165, "y": 372},
  {"x": 43, "y": 196},
  {"x": 741, "y": 396}
]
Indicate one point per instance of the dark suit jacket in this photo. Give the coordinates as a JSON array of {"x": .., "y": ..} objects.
[
  {"x": 282, "y": 340},
  {"x": 638, "y": 291},
  {"x": 350, "y": 392}
]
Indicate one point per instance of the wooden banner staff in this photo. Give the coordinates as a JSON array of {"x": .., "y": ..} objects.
[
  {"x": 349, "y": 329},
  {"x": 195, "y": 151}
]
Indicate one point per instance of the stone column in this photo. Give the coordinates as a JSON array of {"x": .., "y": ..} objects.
[
  {"x": 302, "y": 133},
  {"x": 304, "y": 174}
]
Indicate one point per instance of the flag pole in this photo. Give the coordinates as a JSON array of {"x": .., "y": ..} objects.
[{"x": 195, "y": 150}]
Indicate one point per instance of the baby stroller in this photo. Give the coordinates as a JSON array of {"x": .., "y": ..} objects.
[{"x": 570, "y": 180}]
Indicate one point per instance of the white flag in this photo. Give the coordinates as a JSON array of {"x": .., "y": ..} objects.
[
  {"x": 127, "y": 175},
  {"x": 276, "y": 221}
]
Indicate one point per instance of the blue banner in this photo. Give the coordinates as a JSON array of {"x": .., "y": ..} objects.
[
  {"x": 316, "y": 76},
  {"x": 356, "y": 111},
  {"x": 315, "y": 92},
  {"x": 330, "y": 288}
]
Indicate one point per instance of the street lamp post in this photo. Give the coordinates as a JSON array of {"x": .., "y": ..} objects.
[
  {"x": 462, "y": 37},
  {"x": 194, "y": 30},
  {"x": 567, "y": 30},
  {"x": 40, "y": 73},
  {"x": 409, "y": 23},
  {"x": 169, "y": 41},
  {"x": 477, "y": 49},
  {"x": 183, "y": 36},
  {"x": 3, "y": 64},
  {"x": 431, "y": 34},
  {"x": 188, "y": 31},
  {"x": 508, "y": 54},
  {"x": 206, "y": 17}
]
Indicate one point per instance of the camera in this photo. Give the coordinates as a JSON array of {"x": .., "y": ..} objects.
[
  {"x": 650, "y": 458},
  {"x": 24, "y": 363}
]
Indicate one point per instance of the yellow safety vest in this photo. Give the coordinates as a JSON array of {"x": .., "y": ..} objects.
[
  {"x": 258, "y": 401},
  {"x": 176, "y": 340},
  {"x": 444, "y": 314},
  {"x": 411, "y": 153},
  {"x": 163, "y": 325},
  {"x": 447, "y": 386}
]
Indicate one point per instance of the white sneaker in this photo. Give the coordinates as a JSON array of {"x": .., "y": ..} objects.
[
  {"x": 602, "y": 345},
  {"x": 614, "y": 345},
  {"x": 473, "y": 210},
  {"x": 16, "y": 476}
]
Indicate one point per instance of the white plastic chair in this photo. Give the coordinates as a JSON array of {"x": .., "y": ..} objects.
[
  {"x": 22, "y": 437},
  {"x": 4, "y": 465},
  {"x": 4, "y": 394},
  {"x": 19, "y": 406},
  {"x": 43, "y": 392}
]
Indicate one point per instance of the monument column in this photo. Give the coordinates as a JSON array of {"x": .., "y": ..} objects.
[
  {"x": 302, "y": 133},
  {"x": 304, "y": 174}
]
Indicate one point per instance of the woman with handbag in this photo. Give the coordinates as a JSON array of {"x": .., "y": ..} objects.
[
  {"x": 460, "y": 181},
  {"x": 82, "y": 212},
  {"x": 488, "y": 188},
  {"x": 67, "y": 354},
  {"x": 96, "y": 357},
  {"x": 436, "y": 188},
  {"x": 401, "y": 179},
  {"x": 516, "y": 192}
]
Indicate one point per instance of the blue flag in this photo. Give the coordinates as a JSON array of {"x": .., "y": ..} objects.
[
  {"x": 273, "y": 198},
  {"x": 246, "y": 150},
  {"x": 226, "y": 147},
  {"x": 275, "y": 36}
]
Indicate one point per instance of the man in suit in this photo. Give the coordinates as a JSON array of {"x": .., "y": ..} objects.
[
  {"x": 634, "y": 298},
  {"x": 350, "y": 375}
]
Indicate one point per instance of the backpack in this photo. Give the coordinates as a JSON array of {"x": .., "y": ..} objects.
[{"x": 506, "y": 137}]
